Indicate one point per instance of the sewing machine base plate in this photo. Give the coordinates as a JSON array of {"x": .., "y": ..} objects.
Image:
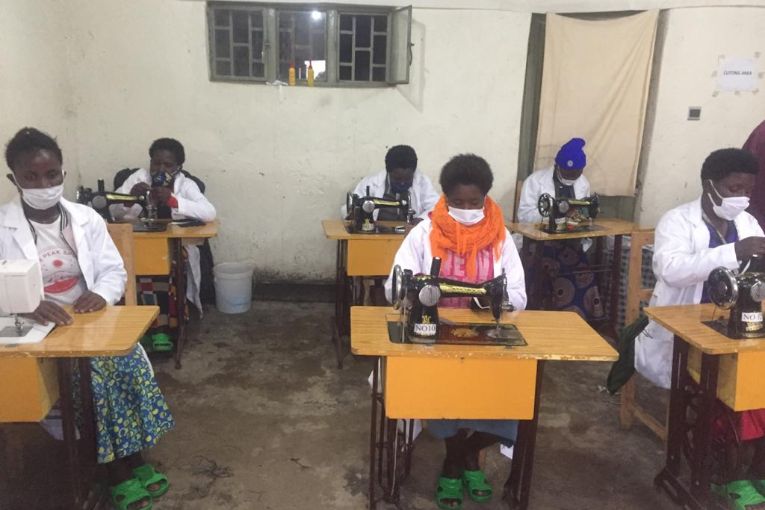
[
  {"x": 585, "y": 228},
  {"x": 721, "y": 326},
  {"x": 143, "y": 227},
  {"x": 464, "y": 334},
  {"x": 379, "y": 229}
]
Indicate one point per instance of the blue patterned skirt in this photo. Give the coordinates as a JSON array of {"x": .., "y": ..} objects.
[{"x": 131, "y": 413}]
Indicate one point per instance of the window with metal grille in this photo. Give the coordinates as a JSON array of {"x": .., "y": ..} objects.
[{"x": 341, "y": 45}]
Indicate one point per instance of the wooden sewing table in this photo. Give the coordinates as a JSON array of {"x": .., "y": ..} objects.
[
  {"x": 34, "y": 376},
  {"x": 358, "y": 256},
  {"x": 714, "y": 366},
  {"x": 159, "y": 253},
  {"x": 534, "y": 238},
  {"x": 421, "y": 381}
]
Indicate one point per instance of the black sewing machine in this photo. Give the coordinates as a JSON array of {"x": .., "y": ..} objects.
[
  {"x": 417, "y": 297},
  {"x": 101, "y": 200},
  {"x": 742, "y": 292},
  {"x": 361, "y": 212},
  {"x": 567, "y": 214}
]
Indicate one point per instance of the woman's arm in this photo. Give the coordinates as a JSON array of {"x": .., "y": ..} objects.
[
  {"x": 516, "y": 281},
  {"x": 193, "y": 204},
  {"x": 109, "y": 273},
  {"x": 409, "y": 255}
]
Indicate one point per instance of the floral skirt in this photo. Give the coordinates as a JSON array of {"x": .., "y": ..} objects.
[{"x": 130, "y": 412}]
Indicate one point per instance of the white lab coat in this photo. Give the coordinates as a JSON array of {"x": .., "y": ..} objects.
[
  {"x": 540, "y": 182},
  {"x": 100, "y": 262},
  {"x": 422, "y": 193},
  {"x": 191, "y": 204},
  {"x": 415, "y": 254},
  {"x": 682, "y": 261}
]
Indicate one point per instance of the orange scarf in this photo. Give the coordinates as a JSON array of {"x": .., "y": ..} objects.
[{"x": 447, "y": 234}]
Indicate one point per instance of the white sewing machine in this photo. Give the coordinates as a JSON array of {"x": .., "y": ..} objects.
[{"x": 21, "y": 290}]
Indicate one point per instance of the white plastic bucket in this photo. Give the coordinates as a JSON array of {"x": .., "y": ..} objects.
[{"x": 233, "y": 286}]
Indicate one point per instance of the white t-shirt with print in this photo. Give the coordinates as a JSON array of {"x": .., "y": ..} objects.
[{"x": 62, "y": 277}]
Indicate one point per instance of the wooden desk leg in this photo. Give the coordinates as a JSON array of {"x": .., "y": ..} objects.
[
  {"x": 702, "y": 437},
  {"x": 518, "y": 485},
  {"x": 376, "y": 395},
  {"x": 616, "y": 273},
  {"x": 341, "y": 321},
  {"x": 73, "y": 461},
  {"x": 88, "y": 452},
  {"x": 669, "y": 477},
  {"x": 180, "y": 298}
]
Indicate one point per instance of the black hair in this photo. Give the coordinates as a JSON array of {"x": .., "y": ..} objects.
[
  {"x": 466, "y": 169},
  {"x": 400, "y": 156},
  {"x": 723, "y": 162},
  {"x": 29, "y": 140},
  {"x": 169, "y": 144}
]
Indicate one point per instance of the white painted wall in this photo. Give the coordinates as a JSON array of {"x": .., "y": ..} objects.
[
  {"x": 278, "y": 160},
  {"x": 34, "y": 83},
  {"x": 695, "y": 39}
]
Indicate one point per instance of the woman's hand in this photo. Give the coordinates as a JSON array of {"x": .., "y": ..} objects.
[
  {"x": 160, "y": 195},
  {"x": 140, "y": 189},
  {"x": 89, "y": 302},
  {"x": 48, "y": 311}
]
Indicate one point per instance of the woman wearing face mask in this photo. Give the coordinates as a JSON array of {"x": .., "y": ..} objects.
[
  {"x": 466, "y": 229},
  {"x": 82, "y": 268},
  {"x": 692, "y": 240}
]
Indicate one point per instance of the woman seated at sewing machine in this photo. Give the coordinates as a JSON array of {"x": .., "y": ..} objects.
[
  {"x": 691, "y": 240},
  {"x": 565, "y": 179},
  {"x": 82, "y": 269},
  {"x": 178, "y": 197},
  {"x": 466, "y": 229}
]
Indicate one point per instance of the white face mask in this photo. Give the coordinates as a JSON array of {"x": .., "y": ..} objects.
[
  {"x": 565, "y": 182},
  {"x": 41, "y": 198},
  {"x": 466, "y": 217},
  {"x": 730, "y": 207}
]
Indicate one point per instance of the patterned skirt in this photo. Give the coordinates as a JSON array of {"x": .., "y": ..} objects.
[{"x": 131, "y": 413}]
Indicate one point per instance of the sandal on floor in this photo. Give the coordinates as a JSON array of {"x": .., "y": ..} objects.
[
  {"x": 759, "y": 485},
  {"x": 128, "y": 493},
  {"x": 149, "y": 476},
  {"x": 742, "y": 495},
  {"x": 449, "y": 489},
  {"x": 477, "y": 486},
  {"x": 160, "y": 342}
]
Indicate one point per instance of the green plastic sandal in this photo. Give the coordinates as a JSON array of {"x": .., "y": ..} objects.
[
  {"x": 160, "y": 342},
  {"x": 477, "y": 486},
  {"x": 449, "y": 489},
  {"x": 759, "y": 485},
  {"x": 149, "y": 476},
  {"x": 129, "y": 493},
  {"x": 742, "y": 495}
]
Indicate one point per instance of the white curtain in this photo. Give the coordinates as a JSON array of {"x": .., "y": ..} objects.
[{"x": 595, "y": 82}]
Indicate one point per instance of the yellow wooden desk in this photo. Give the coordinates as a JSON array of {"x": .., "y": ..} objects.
[
  {"x": 534, "y": 238},
  {"x": 33, "y": 377},
  {"x": 420, "y": 381},
  {"x": 723, "y": 367},
  {"x": 358, "y": 256},
  {"x": 156, "y": 253}
]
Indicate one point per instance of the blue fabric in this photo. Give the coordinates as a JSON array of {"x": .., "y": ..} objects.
[
  {"x": 731, "y": 236},
  {"x": 571, "y": 156},
  {"x": 131, "y": 413},
  {"x": 505, "y": 429}
]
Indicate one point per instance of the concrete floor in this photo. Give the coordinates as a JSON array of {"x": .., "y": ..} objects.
[{"x": 265, "y": 420}]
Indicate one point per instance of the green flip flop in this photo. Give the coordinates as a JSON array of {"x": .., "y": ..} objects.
[
  {"x": 128, "y": 493},
  {"x": 149, "y": 476},
  {"x": 449, "y": 489},
  {"x": 741, "y": 494},
  {"x": 160, "y": 342},
  {"x": 477, "y": 486},
  {"x": 759, "y": 485}
]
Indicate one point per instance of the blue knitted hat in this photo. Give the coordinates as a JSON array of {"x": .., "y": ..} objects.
[{"x": 571, "y": 156}]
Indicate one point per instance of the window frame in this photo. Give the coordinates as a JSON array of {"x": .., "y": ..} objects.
[{"x": 270, "y": 53}]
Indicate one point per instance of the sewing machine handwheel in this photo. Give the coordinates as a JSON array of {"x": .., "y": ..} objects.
[
  {"x": 349, "y": 202},
  {"x": 397, "y": 287},
  {"x": 722, "y": 287},
  {"x": 545, "y": 204},
  {"x": 594, "y": 206}
]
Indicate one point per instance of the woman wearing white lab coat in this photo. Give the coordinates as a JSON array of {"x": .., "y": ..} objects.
[
  {"x": 539, "y": 182},
  {"x": 82, "y": 268},
  {"x": 400, "y": 176},
  {"x": 682, "y": 261},
  {"x": 466, "y": 230},
  {"x": 690, "y": 241},
  {"x": 185, "y": 200}
]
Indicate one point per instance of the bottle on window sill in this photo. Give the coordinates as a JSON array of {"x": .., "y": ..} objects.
[
  {"x": 309, "y": 74},
  {"x": 291, "y": 78}
]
